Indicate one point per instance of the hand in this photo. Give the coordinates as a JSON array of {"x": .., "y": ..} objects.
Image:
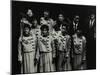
[{"x": 20, "y": 60}]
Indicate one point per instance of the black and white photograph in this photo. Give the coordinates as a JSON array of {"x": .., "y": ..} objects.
[{"x": 52, "y": 37}]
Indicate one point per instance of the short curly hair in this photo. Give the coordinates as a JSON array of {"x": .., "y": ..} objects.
[
  {"x": 44, "y": 27},
  {"x": 28, "y": 26}
]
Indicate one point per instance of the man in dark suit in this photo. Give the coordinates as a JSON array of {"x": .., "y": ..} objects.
[
  {"x": 75, "y": 24},
  {"x": 91, "y": 42}
]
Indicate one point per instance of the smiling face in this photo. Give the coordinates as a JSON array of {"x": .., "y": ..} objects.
[{"x": 26, "y": 31}]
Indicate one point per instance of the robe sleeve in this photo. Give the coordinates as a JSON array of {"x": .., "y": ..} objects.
[
  {"x": 53, "y": 46},
  {"x": 68, "y": 47},
  {"x": 84, "y": 48},
  {"x": 19, "y": 50},
  {"x": 37, "y": 55},
  {"x": 72, "y": 46}
]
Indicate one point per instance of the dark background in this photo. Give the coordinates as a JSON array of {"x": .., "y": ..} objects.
[{"x": 67, "y": 9}]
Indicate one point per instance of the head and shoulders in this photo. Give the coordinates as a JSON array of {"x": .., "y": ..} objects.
[
  {"x": 44, "y": 31},
  {"x": 64, "y": 31},
  {"x": 46, "y": 17},
  {"x": 78, "y": 35},
  {"x": 26, "y": 35}
]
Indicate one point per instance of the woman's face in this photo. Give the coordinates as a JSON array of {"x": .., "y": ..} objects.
[
  {"x": 63, "y": 28},
  {"x": 35, "y": 23},
  {"x": 61, "y": 17},
  {"x": 46, "y": 14},
  {"x": 29, "y": 13},
  {"x": 26, "y": 30},
  {"x": 44, "y": 32}
]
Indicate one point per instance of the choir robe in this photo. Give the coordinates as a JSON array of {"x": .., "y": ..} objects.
[
  {"x": 79, "y": 52},
  {"x": 26, "y": 54},
  {"x": 64, "y": 43},
  {"x": 45, "y": 50},
  {"x": 55, "y": 35}
]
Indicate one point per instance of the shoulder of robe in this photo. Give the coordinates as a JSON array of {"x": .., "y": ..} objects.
[
  {"x": 74, "y": 36},
  {"x": 22, "y": 19},
  {"x": 20, "y": 39},
  {"x": 42, "y": 18},
  {"x": 50, "y": 37},
  {"x": 59, "y": 32},
  {"x": 31, "y": 32},
  {"x": 60, "y": 37},
  {"x": 40, "y": 37},
  {"x": 51, "y": 19},
  {"x": 34, "y": 35}
]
